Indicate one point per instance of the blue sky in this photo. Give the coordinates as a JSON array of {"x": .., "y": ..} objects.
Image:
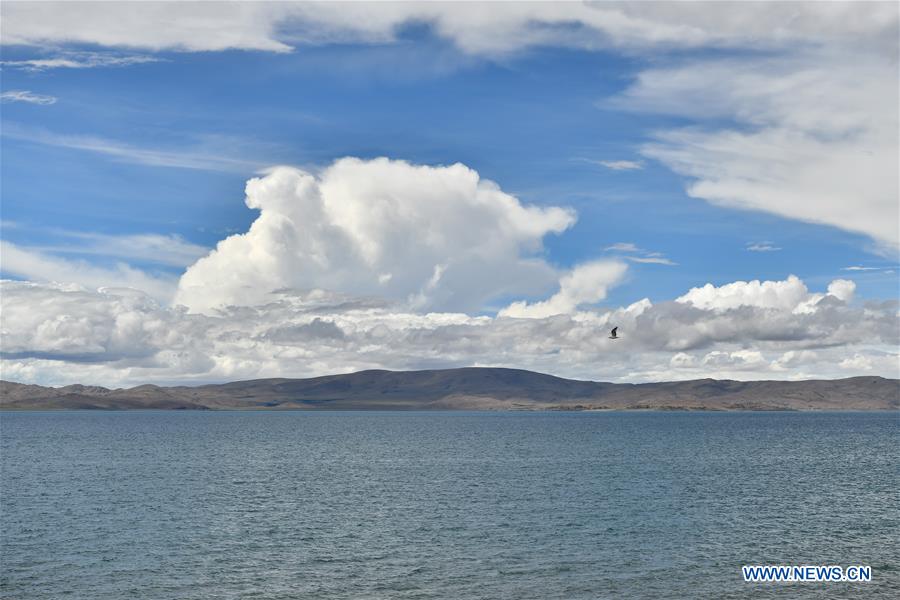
[{"x": 155, "y": 139}]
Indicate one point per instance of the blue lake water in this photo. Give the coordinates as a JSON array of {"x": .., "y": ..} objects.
[{"x": 447, "y": 505}]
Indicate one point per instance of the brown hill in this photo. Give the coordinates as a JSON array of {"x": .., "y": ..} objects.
[{"x": 467, "y": 389}]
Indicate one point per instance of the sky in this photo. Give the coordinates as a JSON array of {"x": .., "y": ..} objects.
[{"x": 206, "y": 192}]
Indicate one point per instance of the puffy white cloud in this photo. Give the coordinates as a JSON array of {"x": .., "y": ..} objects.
[
  {"x": 842, "y": 289},
  {"x": 81, "y": 325},
  {"x": 63, "y": 334},
  {"x": 738, "y": 359},
  {"x": 585, "y": 284},
  {"x": 793, "y": 359},
  {"x": 789, "y": 295},
  {"x": 871, "y": 362},
  {"x": 858, "y": 362},
  {"x": 682, "y": 360},
  {"x": 786, "y": 295},
  {"x": 432, "y": 237}
]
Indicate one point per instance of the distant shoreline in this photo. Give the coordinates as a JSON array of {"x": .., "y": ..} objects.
[
  {"x": 471, "y": 388},
  {"x": 17, "y": 410}
]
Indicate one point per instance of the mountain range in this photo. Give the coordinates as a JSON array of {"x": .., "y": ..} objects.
[{"x": 465, "y": 389}]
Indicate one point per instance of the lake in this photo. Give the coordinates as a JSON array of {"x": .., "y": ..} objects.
[{"x": 449, "y": 505}]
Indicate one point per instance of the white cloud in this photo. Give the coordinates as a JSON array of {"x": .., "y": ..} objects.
[
  {"x": 585, "y": 284},
  {"x": 871, "y": 361},
  {"x": 736, "y": 360},
  {"x": 189, "y": 26},
  {"x": 864, "y": 268},
  {"x": 77, "y": 60},
  {"x": 171, "y": 250},
  {"x": 793, "y": 359},
  {"x": 635, "y": 254},
  {"x": 38, "y": 266},
  {"x": 82, "y": 325},
  {"x": 762, "y": 247},
  {"x": 858, "y": 362},
  {"x": 28, "y": 97},
  {"x": 790, "y": 295},
  {"x": 434, "y": 237},
  {"x": 205, "y": 156},
  {"x": 481, "y": 29},
  {"x": 812, "y": 136},
  {"x": 653, "y": 260},
  {"x": 624, "y": 247},
  {"x": 682, "y": 360},
  {"x": 842, "y": 289},
  {"x": 622, "y": 165},
  {"x": 63, "y": 333}
]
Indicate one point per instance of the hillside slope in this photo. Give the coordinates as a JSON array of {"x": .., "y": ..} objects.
[{"x": 467, "y": 388}]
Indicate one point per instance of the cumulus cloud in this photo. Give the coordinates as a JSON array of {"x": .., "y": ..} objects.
[
  {"x": 27, "y": 97},
  {"x": 788, "y": 295},
  {"x": 55, "y": 333},
  {"x": 83, "y": 326},
  {"x": 736, "y": 360},
  {"x": 585, "y": 284},
  {"x": 432, "y": 237},
  {"x": 871, "y": 362},
  {"x": 842, "y": 289}
]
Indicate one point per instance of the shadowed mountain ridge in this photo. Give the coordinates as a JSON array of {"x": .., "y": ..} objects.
[{"x": 470, "y": 388}]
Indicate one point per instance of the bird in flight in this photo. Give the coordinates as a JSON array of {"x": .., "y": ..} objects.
[{"x": 612, "y": 334}]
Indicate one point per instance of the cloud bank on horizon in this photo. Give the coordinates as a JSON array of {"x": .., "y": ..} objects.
[
  {"x": 395, "y": 263},
  {"x": 744, "y": 330}
]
